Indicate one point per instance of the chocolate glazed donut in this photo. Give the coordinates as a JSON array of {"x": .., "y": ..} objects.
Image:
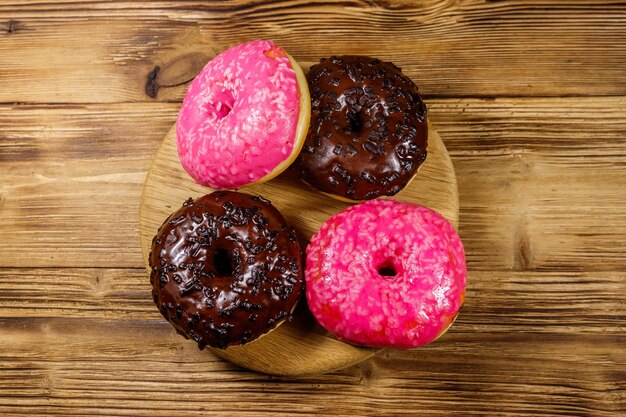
[
  {"x": 226, "y": 269},
  {"x": 368, "y": 131}
]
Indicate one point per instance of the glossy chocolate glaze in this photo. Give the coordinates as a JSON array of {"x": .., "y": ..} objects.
[
  {"x": 226, "y": 269},
  {"x": 368, "y": 131}
]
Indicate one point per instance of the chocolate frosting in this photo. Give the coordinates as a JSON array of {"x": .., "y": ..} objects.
[
  {"x": 368, "y": 131},
  {"x": 226, "y": 269}
]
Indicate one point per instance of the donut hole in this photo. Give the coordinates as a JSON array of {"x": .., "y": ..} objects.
[
  {"x": 354, "y": 121},
  {"x": 387, "y": 268},
  {"x": 223, "y": 104},
  {"x": 225, "y": 110},
  {"x": 223, "y": 262}
]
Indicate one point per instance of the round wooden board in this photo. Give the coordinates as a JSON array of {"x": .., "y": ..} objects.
[{"x": 301, "y": 346}]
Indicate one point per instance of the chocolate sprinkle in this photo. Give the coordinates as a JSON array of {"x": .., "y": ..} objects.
[
  {"x": 363, "y": 101},
  {"x": 226, "y": 275}
]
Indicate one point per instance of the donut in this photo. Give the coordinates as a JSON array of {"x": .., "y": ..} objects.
[
  {"x": 384, "y": 273},
  {"x": 368, "y": 130},
  {"x": 244, "y": 117},
  {"x": 226, "y": 269}
]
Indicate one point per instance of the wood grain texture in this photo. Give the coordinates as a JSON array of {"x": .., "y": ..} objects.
[
  {"x": 528, "y": 343},
  {"x": 71, "y": 181},
  {"x": 527, "y": 168},
  {"x": 541, "y": 184},
  {"x": 104, "y": 51},
  {"x": 553, "y": 303},
  {"x": 299, "y": 347}
]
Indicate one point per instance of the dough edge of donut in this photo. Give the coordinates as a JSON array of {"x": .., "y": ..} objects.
[{"x": 304, "y": 118}]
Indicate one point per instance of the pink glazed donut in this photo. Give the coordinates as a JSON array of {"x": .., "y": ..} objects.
[
  {"x": 386, "y": 274},
  {"x": 244, "y": 118}
]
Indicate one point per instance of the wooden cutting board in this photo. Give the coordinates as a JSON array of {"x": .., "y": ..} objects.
[{"x": 301, "y": 346}]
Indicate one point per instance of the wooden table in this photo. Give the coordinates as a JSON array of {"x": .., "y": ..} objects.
[{"x": 530, "y": 99}]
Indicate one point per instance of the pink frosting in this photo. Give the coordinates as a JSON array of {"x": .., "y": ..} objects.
[
  {"x": 239, "y": 117},
  {"x": 351, "y": 299}
]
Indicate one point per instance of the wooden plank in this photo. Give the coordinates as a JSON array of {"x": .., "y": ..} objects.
[
  {"x": 496, "y": 302},
  {"x": 84, "y": 366},
  {"x": 72, "y": 180},
  {"x": 103, "y": 52},
  {"x": 116, "y": 379},
  {"x": 541, "y": 181}
]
